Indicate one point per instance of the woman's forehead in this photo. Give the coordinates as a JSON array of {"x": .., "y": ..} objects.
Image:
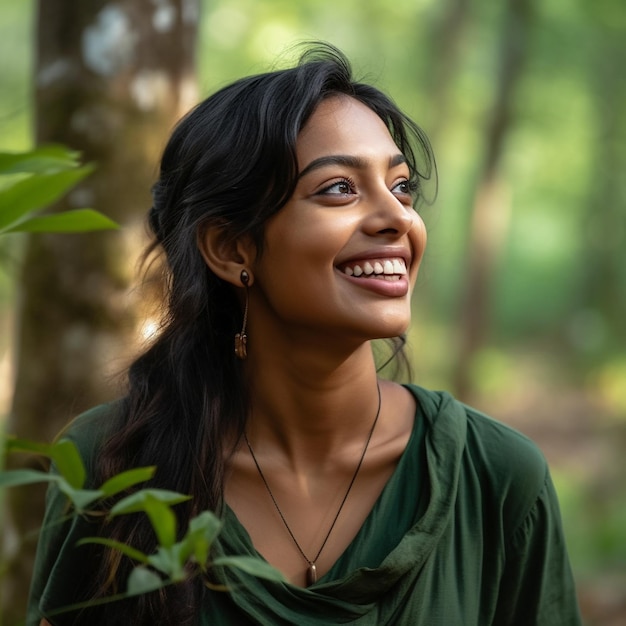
[{"x": 342, "y": 125}]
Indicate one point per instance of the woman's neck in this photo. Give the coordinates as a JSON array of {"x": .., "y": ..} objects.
[{"x": 305, "y": 407}]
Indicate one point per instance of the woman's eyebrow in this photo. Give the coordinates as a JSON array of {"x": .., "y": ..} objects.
[{"x": 346, "y": 160}]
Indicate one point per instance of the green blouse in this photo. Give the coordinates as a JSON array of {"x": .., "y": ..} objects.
[{"x": 466, "y": 532}]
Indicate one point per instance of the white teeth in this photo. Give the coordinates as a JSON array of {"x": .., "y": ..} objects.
[
  {"x": 387, "y": 267},
  {"x": 399, "y": 267}
]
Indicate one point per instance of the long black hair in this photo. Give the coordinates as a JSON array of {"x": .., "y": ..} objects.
[{"x": 231, "y": 161}]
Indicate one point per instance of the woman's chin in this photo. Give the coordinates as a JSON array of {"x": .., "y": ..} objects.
[{"x": 391, "y": 329}]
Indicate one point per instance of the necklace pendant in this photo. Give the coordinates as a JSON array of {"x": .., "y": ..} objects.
[{"x": 311, "y": 574}]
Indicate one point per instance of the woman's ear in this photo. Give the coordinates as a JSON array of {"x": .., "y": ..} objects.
[{"x": 225, "y": 256}]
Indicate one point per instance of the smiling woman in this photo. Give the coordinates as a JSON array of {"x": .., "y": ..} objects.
[{"x": 285, "y": 210}]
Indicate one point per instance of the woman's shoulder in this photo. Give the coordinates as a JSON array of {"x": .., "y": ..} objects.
[
  {"x": 512, "y": 461},
  {"x": 484, "y": 436},
  {"x": 90, "y": 430},
  {"x": 508, "y": 465}
]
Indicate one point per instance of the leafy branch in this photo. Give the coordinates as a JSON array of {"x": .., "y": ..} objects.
[
  {"x": 174, "y": 561},
  {"x": 32, "y": 180}
]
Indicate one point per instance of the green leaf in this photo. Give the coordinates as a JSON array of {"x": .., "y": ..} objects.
[
  {"x": 36, "y": 192},
  {"x": 179, "y": 558},
  {"x": 77, "y": 221},
  {"x": 14, "y": 444},
  {"x": 129, "y": 551},
  {"x": 163, "y": 521},
  {"x": 81, "y": 498},
  {"x": 250, "y": 565},
  {"x": 169, "y": 562},
  {"x": 161, "y": 561},
  {"x": 69, "y": 463},
  {"x": 127, "y": 479},
  {"x": 156, "y": 504},
  {"x": 206, "y": 522},
  {"x": 142, "y": 580},
  {"x": 203, "y": 529},
  {"x": 14, "y": 478},
  {"x": 184, "y": 549},
  {"x": 135, "y": 502},
  {"x": 67, "y": 459},
  {"x": 47, "y": 158}
]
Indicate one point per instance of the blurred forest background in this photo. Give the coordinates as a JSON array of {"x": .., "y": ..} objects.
[{"x": 520, "y": 305}]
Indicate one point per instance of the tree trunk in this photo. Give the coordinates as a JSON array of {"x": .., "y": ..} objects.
[
  {"x": 488, "y": 221},
  {"x": 447, "y": 41},
  {"x": 603, "y": 294},
  {"x": 111, "y": 78}
]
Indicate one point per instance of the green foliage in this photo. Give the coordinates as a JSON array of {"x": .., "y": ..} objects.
[
  {"x": 157, "y": 505},
  {"x": 71, "y": 475},
  {"x": 30, "y": 181},
  {"x": 125, "y": 480},
  {"x": 142, "y": 580},
  {"x": 174, "y": 561}
]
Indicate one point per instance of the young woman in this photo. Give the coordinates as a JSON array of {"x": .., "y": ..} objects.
[{"x": 285, "y": 209}]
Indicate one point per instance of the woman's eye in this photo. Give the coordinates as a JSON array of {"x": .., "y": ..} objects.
[
  {"x": 341, "y": 187},
  {"x": 405, "y": 188}
]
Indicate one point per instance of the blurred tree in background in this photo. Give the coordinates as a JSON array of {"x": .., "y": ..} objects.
[
  {"x": 520, "y": 302},
  {"x": 489, "y": 218},
  {"x": 110, "y": 80}
]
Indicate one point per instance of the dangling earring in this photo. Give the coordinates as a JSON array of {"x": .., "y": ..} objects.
[{"x": 241, "y": 339}]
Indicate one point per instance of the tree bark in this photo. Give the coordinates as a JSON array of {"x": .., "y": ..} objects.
[
  {"x": 111, "y": 79},
  {"x": 488, "y": 222}
]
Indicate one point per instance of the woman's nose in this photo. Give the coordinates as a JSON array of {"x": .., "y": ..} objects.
[{"x": 388, "y": 215}]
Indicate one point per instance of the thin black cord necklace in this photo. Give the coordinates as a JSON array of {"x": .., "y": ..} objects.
[{"x": 311, "y": 574}]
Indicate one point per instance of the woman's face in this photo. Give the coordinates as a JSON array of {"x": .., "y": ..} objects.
[{"x": 341, "y": 257}]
